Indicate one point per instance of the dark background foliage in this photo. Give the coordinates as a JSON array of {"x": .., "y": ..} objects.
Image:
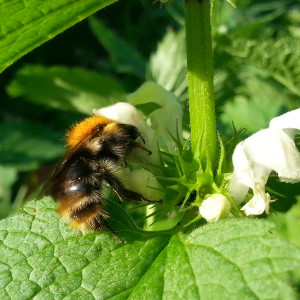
[{"x": 256, "y": 50}]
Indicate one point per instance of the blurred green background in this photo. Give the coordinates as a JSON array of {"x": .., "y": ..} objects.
[{"x": 100, "y": 60}]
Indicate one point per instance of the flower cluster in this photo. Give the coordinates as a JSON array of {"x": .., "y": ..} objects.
[
  {"x": 156, "y": 129},
  {"x": 270, "y": 149}
]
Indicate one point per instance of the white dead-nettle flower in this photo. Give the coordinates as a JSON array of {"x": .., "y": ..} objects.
[
  {"x": 271, "y": 149},
  {"x": 215, "y": 208},
  {"x": 164, "y": 120},
  {"x": 126, "y": 113}
]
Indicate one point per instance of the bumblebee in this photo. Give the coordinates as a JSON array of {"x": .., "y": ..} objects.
[{"x": 97, "y": 148}]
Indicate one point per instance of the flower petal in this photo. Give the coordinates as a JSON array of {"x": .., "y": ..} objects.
[
  {"x": 273, "y": 149},
  {"x": 246, "y": 169},
  {"x": 267, "y": 150},
  {"x": 288, "y": 120},
  {"x": 259, "y": 203},
  {"x": 254, "y": 159},
  {"x": 167, "y": 118},
  {"x": 237, "y": 189}
]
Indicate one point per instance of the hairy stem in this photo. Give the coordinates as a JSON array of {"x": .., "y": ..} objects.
[{"x": 200, "y": 79}]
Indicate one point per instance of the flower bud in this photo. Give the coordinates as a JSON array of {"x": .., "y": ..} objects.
[{"x": 215, "y": 208}]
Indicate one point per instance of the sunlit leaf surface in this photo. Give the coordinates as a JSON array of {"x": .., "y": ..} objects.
[
  {"x": 69, "y": 89},
  {"x": 24, "y": 25},
  {"x": 41, "y": 258}
]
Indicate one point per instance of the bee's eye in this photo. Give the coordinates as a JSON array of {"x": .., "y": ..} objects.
[{"x": 100, "y": 127}]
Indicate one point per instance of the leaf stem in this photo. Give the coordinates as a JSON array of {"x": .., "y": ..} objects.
[{"x": 200, "y": 78}]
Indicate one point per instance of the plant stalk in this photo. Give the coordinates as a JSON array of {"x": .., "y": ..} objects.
[{"x": 200, "y": 79}]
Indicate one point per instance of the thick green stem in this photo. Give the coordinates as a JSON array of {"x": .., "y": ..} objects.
[{"x": 200, "y": 78}]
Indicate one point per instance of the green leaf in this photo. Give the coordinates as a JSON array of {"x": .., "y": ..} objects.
[
  {"x": 124, "y": 57},
  {"x": 288, "y": 223},
  {"x": 42, "y": 258},
  {"x": 25, "y": 145},
  {"x": 257, "y": 102},
  {"x": 8, "y": 177},
  {"x": 71, "y": 89},
  {"x": 251, "y": 28},
  {"x": 288, "y": 227},
  {"x": 167, "y": 65},
  {"x": 176, "y": 10},
  {"x": 232, "y": 2},
  {"x": 27, "y": 24},
  {"x": 279, "y": 57}
]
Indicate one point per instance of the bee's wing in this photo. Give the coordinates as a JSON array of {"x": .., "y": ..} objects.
[{"x": 59, "y": 167}]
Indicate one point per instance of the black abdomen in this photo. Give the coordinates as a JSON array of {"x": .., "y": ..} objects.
[{"x": 78, "y": 179}]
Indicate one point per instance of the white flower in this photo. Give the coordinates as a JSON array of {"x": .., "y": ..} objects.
[
  {"x": 271, "y": 149},
  {"x": 126, "y": 113},
  {"x": 259, "y": 202},
  {"x": 164, "y": 120},
  {"x": 215, "y": 208}
]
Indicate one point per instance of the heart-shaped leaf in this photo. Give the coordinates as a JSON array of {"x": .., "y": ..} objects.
[{"x": 41, "y": 258}]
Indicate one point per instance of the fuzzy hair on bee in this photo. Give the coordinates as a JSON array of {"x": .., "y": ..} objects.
[{"x": 97, "y": 149}]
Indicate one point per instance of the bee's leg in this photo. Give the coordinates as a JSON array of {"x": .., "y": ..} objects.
[
  {"x": 137, "y": 197},
  {"x": 115, "y": 185},
  {"x": 137, "y": 145},
  {"x": 113, "y": 232},
  {"x": 120, "y": 191},
  {"x": 117, "y": 193},
  {"x": 100, "y": 225}
]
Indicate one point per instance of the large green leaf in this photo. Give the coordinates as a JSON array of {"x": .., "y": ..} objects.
[
  {"x": 167, "y": 65},
  {"x": 257, "y": 102},
  {"x": 27, "y": 24},
  {"x": 288, "y": 225},
  {"x": 123, "y": 55},
  {"x": 71, "y": 89},
  {"x": 25, "y": 145},
  {"x": 41, "y": 258},
  {"x": 279, "y": 57}
]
